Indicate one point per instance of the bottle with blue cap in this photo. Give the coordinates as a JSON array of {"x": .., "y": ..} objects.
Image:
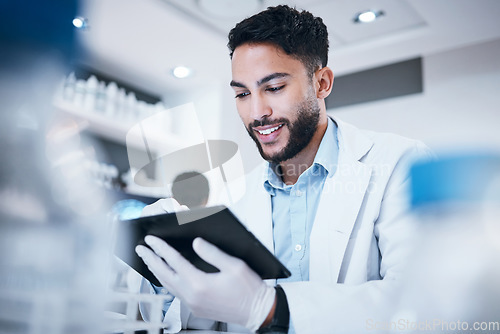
[{"x": 453, "y": 281}]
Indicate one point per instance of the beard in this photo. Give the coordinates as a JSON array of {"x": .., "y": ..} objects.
[{"x": 301, "y": 131}]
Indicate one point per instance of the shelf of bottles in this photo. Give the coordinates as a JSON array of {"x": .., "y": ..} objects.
[
  {"x": 109, "y": 111},
  {"x": 108, "y": 177}
]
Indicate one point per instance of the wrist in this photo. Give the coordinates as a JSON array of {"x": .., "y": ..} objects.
[
  {"x": 278, "y": 319},
  {"x": 270, "y": 316},
  {"x": 263, "y": 302}
]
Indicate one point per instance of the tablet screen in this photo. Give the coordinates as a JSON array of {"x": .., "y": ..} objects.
[{"x": 217, "y": 225}]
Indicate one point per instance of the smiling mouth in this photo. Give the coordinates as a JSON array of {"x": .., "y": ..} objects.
[{"x": 269, "y": 130}]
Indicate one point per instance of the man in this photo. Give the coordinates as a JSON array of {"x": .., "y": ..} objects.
[{"x": 329, "y": 201}]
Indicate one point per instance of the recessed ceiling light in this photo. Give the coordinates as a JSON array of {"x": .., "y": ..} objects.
[
  {"x": 181, "y": 72},
  {"x": 80, "y": 22},
  {"x": 367, "y": 16}
]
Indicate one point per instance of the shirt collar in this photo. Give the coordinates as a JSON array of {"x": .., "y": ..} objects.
[
  {"x": 326, "y": 157},
  {"x": 271, "y": 179},
  {"x": 328, "y": 151}
]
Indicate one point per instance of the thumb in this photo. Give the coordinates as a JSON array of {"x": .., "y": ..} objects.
[
  {"x": 213, "y": 255},
  {"x": 170, "y": 205},
  {"x": 162, "y": 206}
]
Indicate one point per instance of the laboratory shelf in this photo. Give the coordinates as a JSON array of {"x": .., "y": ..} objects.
[{"x": 154, "y": 137}]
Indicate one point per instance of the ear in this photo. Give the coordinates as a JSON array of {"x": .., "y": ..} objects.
[{"x": 324, "y": 82}]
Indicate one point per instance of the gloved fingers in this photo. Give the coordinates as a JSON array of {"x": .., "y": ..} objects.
[
  {"x": 157, "y": 266},
  {"x": 213, "y": 255},
  {"x": 171, "y": 205},
  {"x": 162, "y": 206},
  {"x": 153, "y": 209},
  {"x": 174, "y": 259}
]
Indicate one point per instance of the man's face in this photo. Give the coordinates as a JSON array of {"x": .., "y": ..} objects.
[{"x": 275, "y": 99}]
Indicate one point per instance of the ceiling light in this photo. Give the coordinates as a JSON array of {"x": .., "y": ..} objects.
[
  {"x": 181, "y": 72},
  {"x": 367, "y": 16},
  {"x": 80, "y": 22}
]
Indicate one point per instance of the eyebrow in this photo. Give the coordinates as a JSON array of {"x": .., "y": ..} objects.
[{"x": 261, "y": 81}]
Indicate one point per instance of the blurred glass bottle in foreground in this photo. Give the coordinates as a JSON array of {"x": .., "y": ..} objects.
[
  {"x": 453, "y": 282},
  {"x": 51, "y": 216}
]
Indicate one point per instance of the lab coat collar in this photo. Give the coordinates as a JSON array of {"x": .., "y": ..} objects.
[{"x": 353, "y": 143}]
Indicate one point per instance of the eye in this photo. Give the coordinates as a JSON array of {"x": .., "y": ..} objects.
[
  {"x": 241, "y": 95},
  {"x": 275, "y": 89}
]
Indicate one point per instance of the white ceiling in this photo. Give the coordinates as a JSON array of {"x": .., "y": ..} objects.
[{"x": 140, "y": 41}]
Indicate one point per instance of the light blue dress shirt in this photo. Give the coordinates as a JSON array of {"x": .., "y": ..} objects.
[{"x": 294, "y": 207}]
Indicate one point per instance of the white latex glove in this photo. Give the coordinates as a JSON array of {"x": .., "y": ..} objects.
[
  {"x": 236, "y": 294},
  {"x": 161, "y": 206}
]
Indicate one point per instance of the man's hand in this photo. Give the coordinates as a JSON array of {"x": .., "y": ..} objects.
[
  {"x": 161, "y": 206},
  {"x": 236, "y": 294}
]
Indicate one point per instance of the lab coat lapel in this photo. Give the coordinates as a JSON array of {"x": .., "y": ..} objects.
[
  {"x": 258, "y": 215},
  {"x": 340, "y": 202}
]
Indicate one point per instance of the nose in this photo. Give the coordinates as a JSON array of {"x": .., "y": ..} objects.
[{"x": 260, "y": 109}]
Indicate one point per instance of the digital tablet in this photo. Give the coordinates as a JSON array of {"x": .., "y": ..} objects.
[{"x": 216, "y": 224}]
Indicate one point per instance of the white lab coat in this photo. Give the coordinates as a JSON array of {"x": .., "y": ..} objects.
[{"x": 360, "y": 240}]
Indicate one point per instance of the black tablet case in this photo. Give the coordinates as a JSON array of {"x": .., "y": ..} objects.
[{"x": 217, "y": 225}]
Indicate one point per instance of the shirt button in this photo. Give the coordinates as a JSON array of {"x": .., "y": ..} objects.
[
  {"x": 298, "y": 247},
  {"x": 163, "y": 291},
  {"x": 299, "y": 193}
]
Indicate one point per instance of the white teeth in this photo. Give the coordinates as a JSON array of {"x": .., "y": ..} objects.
[{"x": 271, "y": 130}]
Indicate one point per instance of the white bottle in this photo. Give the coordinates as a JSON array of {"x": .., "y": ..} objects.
[
  {"x": 80, "y": 90},
  {"x": 140, "y": 113},
  {"x": 100, "y": 98},
  {"x": 69, "y": 88},
  {"x": 90, "y": 94},
  {"x": 120, "y": 103},
  {"x": 111, "y": 96},
  {"x": 131, "y": 105}
]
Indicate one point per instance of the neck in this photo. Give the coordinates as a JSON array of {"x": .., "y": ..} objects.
[{"x": 291, "y": 169}]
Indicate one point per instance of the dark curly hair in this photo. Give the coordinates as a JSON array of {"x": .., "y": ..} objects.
[{"x": 299, "y": 34}]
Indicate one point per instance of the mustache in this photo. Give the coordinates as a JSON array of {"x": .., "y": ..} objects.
[{"x": 267, "y": 121}]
